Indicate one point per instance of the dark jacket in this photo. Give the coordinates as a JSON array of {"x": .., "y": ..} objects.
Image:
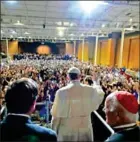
[
  {"x": 20, "y": 128},
  {"x": 125, "y": 135}
]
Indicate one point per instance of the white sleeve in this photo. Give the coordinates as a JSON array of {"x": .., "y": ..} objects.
[
  {"x": 100, "y": 92},
  {"x": 97, "y": 98}
]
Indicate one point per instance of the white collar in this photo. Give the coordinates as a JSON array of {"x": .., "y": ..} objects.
[
  {"x": 126, "y": 125},
  {"x": 15, "y": 114},
  {"x": 75, "y": 81}
]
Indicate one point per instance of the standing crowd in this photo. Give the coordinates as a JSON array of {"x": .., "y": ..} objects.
[{"x": 60, "y": 80}]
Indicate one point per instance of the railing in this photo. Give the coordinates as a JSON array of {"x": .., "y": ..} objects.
[
  {"x": 99, "y": 122},
  {"x": 3, "y": 111},
  {"x": 103, "y": 121}
]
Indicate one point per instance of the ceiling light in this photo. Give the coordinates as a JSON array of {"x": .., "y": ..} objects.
[
  {"x": 117, "y": 25},
  {"x": 59, "y": 23},
  {"x": 11, "y": 2},
  {"x": 18, "y": 23},
  {"x": 11, "y": 36},
  {"x": 71, "y": 34},
  {"x": 26, "y": 33},
  {"x": 66, "y": 23},
  {"x": 29, "y": 37},
  {"x": 2, "y": 32},
  {"x": 82, "y": 34},
  {"x": 130, "y": 20},
  {"x": 88, "y": 6},
  {"x": 61, "y": 28},
  {"x": 13, "y": 32},
  {"x": 20, "y": 37},
  {"x": 61, "y": 33},
  {"x": 130, "y": 29},
  {"x": 103, "y": 25},
  {"x": 71, "y": 24}
]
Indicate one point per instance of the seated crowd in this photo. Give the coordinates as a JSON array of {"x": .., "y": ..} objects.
[{"x": 47, "y": 75}]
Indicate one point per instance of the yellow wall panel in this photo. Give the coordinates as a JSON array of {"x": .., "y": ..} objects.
[
  {"x": 80, "y": 51},
  {"x": 118, "y": 54},
  {"x": 85, "y": 59},
  {"x": 134, "y": 55},
  {"x": 98, "y": 53},
  {"x": 126, "y": 50},
  {"x": 85, "y": 52},
  {"x": 112, "y": 51},
  {"x": 69, "y": 48},
  {"x": 13, "y": 48}
]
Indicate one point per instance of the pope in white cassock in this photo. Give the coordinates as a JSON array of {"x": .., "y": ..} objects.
[{"x": 72, "y": 109}]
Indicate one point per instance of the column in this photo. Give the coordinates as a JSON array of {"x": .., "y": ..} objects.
[
  {"x": 7, "y": 47},
  {"x": 121, "y": 48},
  {"x": 96, "y": 49},
  {"x": 74, "y": 51},
  {"x": 83, "y": 43}
]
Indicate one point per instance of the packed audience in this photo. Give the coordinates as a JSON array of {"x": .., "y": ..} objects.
[
  {"x": 50, "y": 72},
  {"x": 42, "y": 56}
]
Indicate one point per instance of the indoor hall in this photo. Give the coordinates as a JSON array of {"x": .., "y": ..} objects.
[{"x": 62, "y": 44}]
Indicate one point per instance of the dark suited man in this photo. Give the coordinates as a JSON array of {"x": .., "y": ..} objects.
[
  {"x": 121, "y": 110},
  {"x": 17, "y": 126}
]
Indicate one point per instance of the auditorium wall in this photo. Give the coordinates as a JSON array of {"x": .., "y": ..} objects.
[
  {"x": 131, "y": 52},
  {"x": 108, "y": 51},
  {"x": 3, "y": 47},
  {"x": 16, "y": 47},
  {"x": 105, "y": 52},
  {"x": 13, "y": 48},
  {"x": 91, "y": 49},
  {"x": 38, "y": 47},
  {"x": 85, "y": 55},
  {"x": 69, "y": 48}
]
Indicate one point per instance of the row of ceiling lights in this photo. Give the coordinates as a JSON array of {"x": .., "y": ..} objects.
[
  {"x": 71, "y": 36},
  {"x": 60, "y": 29},
  {"x": 18, "y": 23},
  {"x": 60, "y": 33}
]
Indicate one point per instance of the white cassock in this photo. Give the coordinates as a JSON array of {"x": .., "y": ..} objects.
[
  {"x": 71, "y": 112},
  {"x": 99, "y": 91}
]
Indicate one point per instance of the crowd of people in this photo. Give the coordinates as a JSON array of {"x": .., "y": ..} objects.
[
  {"x": 42, "y": 56},
  {"x": 50, "y": 73}
]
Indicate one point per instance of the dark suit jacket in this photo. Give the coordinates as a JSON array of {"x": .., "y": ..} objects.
[
  {"x": 125, "y": 135},
  {"x": 20, "y": 128}
]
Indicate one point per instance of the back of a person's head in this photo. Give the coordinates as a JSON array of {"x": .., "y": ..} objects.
[
  {"x": 21, "y": 95},
  {"x": 124, "y": 104},
  {"x": 74, "y": 73},
  {"x": 88, "y": 79}
]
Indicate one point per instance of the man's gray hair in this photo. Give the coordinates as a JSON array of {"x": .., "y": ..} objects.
[{"x": 114, "y": 104}]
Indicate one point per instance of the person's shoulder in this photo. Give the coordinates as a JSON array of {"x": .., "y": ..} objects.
[
  {"x": 63, "y": 88},
  {"x": 87, "y": 86},
  {"x": 117, "y": 137},
  {"x": 43, "y": 132}
]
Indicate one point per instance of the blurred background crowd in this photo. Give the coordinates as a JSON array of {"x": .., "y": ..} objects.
[{"x": 51, "y": 74}]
